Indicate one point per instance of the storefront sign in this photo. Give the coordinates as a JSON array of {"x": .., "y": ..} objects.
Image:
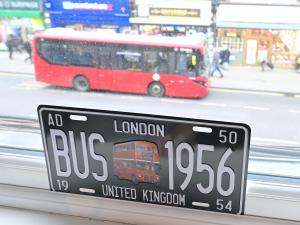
[
  {"x": 19, "y": 5},
  {"x": 174, "y": 12},
  {"x": 88, "y": 12},
  {"x": 67, "y": 5}
]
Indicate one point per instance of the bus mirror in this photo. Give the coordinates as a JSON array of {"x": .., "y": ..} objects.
[{"x": 194, "y": 60}]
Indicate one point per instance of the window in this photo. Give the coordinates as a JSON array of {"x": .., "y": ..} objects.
[
  {"x": 104, "y": 56},
  {"x": 162, "y": 58},
  {"x": 128, "y": 58}
]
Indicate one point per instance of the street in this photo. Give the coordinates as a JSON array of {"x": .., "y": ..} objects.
[{"x": 273, "y": 117}]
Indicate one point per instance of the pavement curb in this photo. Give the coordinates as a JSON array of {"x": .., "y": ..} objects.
[
  {"x": 13, "y": 72},
  {"x": 254, "y": 90}
]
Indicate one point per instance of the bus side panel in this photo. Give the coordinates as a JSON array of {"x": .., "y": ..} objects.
[
  {"x": 63, "y": 76},
  {"x": 183, "y": 87},
  {"x": 128, "y": 81}
]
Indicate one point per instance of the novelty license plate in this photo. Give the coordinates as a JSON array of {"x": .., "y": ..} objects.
[{"x": 171, "y": 161}]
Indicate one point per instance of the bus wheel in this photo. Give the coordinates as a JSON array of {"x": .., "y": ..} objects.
[
  {"x": 156, "y": 89},
  {"x": 81, "y": 83}
]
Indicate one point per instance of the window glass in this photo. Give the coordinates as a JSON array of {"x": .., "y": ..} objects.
[
  {"x": 217, "y": 62},
  {"x": 68, "y": 53},
  {"x": 129, "y": 58},
  {"x": 151, "y": 60},
  {"x": 186, "y": 63},
  {"x": 104, "y": 56}
]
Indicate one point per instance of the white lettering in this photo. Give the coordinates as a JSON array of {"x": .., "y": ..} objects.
[
  {"x": 134, "y": 128},
  {"x": 125, "y": 127},
  {"x": 86, "y": 6},
  {"x": 50, "y": 120},
  {"x": 143, "y": 129},
  {"x": 92, "y": 138},
  {"x": 116, "y": 127},
  {"x": 163, "y": 197},
  {"x": 139, "y": 128},
  {"x": 86, "y": 170},
  {"x": 59, "y": 121},
  {"x": 119, "y": 192},
  {"x": 60, "y": 153}
]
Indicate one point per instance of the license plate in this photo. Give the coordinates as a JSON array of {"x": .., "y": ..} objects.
[{"x": 188, "y": 163}]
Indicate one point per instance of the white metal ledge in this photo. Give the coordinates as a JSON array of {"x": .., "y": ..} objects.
[{"x": 24, "y": 184}]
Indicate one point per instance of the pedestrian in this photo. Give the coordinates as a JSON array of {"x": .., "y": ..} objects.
[
  {"x": 263, "y": 57},
  {"x": 10, "y": 45},
  {"x": 28, "y": 49},
  {"x": 298, "y": 63},
  {"x": 225, "y": 57},
  {"x": 215, "y": 66}
]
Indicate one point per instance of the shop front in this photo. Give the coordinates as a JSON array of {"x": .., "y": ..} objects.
[
  {"x": 20, "y": 18},
  {"x": 172, "y": 18},
  {"x": 246, "y": 38},
  {"x": 106, "y": 15}
]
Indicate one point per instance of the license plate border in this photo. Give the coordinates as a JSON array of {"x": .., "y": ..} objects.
[{"x": 76, "y": 110}]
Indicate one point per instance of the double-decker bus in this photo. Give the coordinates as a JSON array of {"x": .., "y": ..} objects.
[
  {"x": 154, "y": 65},
  {"x": 137, "y": 161}
]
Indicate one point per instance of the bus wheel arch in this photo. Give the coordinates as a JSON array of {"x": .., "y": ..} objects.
[
  {"x": 156, "y": 89},
  {"x": 81, "y": 83}
]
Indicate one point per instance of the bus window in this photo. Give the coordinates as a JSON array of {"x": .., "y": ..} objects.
[
  {"x": 104, "y": 57},
  {"x": 151, "y": 60},
  {"x": 163, "y": 62},
  {"x": 52, "y": 51},
  {"x": 186, "y": 63},
  {"x": 172, "y": 62},
  {"x": 67, "y": 52},
  {"x": 129, "y": 58},
  {"x": 82, "y": 54}
]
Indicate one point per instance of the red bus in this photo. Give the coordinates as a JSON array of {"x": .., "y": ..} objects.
[
  {"x": 154, "y": 65},
  {"x": 137, "y": 161}
]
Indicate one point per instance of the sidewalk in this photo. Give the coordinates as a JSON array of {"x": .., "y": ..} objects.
[
  {"x": 237, "y": 78},
  {"x": 16, "y": 65},
  {"x": 252, "y": 78}
]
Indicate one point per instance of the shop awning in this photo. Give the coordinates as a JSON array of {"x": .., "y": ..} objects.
[
  {"x": 173, "y": 21},
  {"x": 254, "y": 25}
]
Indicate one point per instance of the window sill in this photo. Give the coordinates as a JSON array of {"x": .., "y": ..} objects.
[
  {"x": 13, "y": 216},
  {"x": 24, "y": 184}
]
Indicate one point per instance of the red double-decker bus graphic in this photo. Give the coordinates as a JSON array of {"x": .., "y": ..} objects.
[{"x": 137, "y": 161}]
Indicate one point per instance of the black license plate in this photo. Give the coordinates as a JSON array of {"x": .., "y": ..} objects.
[{"x": 180, "y": 162}]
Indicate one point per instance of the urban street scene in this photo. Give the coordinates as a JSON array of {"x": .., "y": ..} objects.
[{"x": 150, "y": 111}]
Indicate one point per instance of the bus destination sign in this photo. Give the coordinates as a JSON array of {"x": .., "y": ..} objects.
[{"x": 170, "y": 161}]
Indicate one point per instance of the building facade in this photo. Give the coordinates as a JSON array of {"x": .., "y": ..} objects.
[
  {"x": 171, "y": 18},
  {"x": 246, "y": 28},
  {"x": 20, "y": 18}
]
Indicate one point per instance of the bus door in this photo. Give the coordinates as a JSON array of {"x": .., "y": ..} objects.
[
  {"x": 104, "y": 64},
  {"x": 128, "y": 69}
]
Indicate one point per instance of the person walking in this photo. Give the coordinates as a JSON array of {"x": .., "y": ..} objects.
[
  {"x": 215, "y": 66},
  {"x": 263, "y": 57},
  {"x": 10, "y": 45},
  {"x": 225, "y": 56},
  {"x": 298, "y": 63},
  {"x": 28, "y": 49}
]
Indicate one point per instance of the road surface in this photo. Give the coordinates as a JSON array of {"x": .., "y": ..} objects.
[{"x": 273, "y": 117}]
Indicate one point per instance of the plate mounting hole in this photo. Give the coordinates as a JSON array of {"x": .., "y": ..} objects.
[
  {"x": 78, "y": 117},
  {"x": 202, "y": 129}
]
